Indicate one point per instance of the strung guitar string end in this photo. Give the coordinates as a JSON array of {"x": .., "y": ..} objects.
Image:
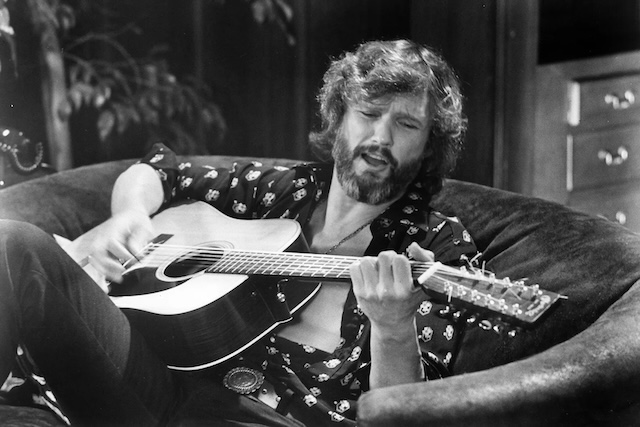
[{"x": 428, "y": 273}]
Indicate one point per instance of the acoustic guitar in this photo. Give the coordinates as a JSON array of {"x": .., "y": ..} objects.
[{"x": 210, "y": 286}]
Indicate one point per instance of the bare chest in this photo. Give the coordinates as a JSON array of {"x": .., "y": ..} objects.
[{"x": 318, "y": 323}]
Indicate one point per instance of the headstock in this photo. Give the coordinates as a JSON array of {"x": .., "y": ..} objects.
[{"x": 497, "y": 304}]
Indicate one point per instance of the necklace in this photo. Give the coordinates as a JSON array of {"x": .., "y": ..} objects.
[{"x": 348, "y": 236}]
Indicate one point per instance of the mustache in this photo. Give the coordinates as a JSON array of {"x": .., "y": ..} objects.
[{"x": 379, "y": 151}]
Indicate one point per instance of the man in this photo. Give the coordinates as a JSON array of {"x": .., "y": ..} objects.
[{"x": 392, "y": 125}]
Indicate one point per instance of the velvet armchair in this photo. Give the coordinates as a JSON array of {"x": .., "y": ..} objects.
[{"x": 579, "y": 366}]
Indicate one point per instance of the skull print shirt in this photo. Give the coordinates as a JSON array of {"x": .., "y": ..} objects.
[{"x": 327, "y": 383}]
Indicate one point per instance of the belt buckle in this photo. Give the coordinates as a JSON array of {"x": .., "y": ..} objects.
[{"x": 243, "y": 380}]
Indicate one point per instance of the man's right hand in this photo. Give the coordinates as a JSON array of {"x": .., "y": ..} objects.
[{"x": 120, "y": 239}]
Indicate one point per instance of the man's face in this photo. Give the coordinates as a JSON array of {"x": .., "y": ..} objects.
[{"x": 380, "y": 147}]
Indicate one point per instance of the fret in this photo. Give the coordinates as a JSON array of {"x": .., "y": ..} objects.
[
  {"x": 337, "y": 271},
  {"x": 306, "y": 266},
  {"x": 225, "y": 264},
  {"x": 317, "y": 268},
  {"x": 261, "y": 265}
]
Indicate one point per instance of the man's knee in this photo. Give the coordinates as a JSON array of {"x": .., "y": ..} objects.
[{"x": 22, "y": 234}]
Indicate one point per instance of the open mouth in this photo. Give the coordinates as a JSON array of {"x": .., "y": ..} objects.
[{"x": 377, "y": 160}]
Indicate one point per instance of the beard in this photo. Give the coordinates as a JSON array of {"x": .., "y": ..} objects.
[{"x": 367, "y": 187}]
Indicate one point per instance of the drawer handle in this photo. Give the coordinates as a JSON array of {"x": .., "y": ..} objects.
[
  {"x": 620, "y": 103},
  {"x": 614, "y": 159}
]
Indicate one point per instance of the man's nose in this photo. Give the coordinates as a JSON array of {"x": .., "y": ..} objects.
[{"x": 382, "y": 132}]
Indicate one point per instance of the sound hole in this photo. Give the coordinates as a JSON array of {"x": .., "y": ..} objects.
[{"x": 195, "y": 261}]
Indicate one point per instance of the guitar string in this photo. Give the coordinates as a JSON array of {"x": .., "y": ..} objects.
[
  {"x": 442, "y": 285},
  {"x": 268, "y": 259},
  {"x": 205, "y": 256},
  {"x": 314, "y": 262}
]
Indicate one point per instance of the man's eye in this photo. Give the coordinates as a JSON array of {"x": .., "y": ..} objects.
[
  {"x": 409, "y": 125},
  {"x": 368, "y": 114}
]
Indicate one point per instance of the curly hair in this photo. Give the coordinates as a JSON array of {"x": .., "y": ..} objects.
[{"x": 381, "y": 68}]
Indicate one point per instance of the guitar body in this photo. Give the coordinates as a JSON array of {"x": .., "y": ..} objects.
[{"x": 194, "y": 319}]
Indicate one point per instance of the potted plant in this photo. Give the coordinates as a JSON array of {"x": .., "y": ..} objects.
[{"x": 90, "y": 76}]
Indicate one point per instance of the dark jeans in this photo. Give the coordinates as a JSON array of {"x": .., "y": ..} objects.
[{"x": 99, "y": 368}]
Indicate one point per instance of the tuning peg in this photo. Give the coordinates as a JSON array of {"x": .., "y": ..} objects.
[
  {"x": 515, "y": 309},
  {"x": 530, "y": 292}
]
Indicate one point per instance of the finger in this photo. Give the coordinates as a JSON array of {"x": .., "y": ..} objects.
[
  {"x": 358, "y": 281},
  {"x": 140, "y": 233},
  {"x": 368, "y": 268},
  {"x": 402, "y": 274},
  {"x": 114, "y": 272},
  {"x": 385, "y": 272},
  {"x": 417, "y": 252},
  {"x": 119, "y": 251},
  {"x": 108, "y": 267},
  {"x": 138, "y": 240},
  {"x": 355, "y": 273}
]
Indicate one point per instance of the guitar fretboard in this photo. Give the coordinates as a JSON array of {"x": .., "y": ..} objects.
[{"x": 284, "y": 264}]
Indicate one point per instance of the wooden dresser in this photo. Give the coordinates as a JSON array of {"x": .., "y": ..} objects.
[
  {"x": 587, "y": 136},
  {"x": 553, "y": 96}
]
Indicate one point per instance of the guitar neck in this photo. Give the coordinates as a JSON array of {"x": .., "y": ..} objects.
[{"x": 465, "y": 287}]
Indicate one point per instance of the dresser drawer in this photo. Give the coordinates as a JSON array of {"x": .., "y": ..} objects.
[
  {"x": 606, "y": 101},
  {"x": 604, "y": 157},
  {"x": 620, "y": 203}
]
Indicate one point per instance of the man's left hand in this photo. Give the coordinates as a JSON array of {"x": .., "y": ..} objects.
[{"x": 384, "y": 288}]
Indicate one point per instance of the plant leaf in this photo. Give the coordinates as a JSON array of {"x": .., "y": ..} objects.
[{"x": 106, "y": 122}]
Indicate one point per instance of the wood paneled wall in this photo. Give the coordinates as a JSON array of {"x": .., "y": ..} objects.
[
  {"x": 465, "y": 33},
  {"x": 266, "y": 87}
]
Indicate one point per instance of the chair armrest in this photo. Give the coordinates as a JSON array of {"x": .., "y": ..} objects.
[{"x": 591, "y": 379}]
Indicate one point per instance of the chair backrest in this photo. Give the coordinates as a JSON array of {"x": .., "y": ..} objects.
[
  {"x": 73, "y": 201},
  {"x": 590, "y": 260}
]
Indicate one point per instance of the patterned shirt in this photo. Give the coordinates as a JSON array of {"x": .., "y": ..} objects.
[{"x": 328, "y": 383}]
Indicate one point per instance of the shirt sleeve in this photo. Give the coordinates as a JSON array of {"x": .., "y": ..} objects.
[
  {"x": 449, "y": 240},
  {"x": 245, "y": 190},
  {"x": 412, "y": 220}
]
